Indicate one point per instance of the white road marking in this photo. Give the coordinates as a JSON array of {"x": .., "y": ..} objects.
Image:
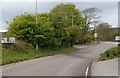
[
  {"x": 86, "y": 72},
  {"x": 112, "y": 43}
]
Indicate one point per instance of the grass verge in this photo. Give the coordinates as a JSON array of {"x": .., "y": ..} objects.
[
  {"x": 110, "y": 54},
  {"x": 11, "y": 56}
]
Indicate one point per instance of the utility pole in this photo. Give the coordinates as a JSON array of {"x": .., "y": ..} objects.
[
  {"x": 36, "y": 25},
  {"x": 72, "y": 20}
]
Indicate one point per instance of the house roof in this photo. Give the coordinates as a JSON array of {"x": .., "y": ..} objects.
[{"x": 3, "y": 30}]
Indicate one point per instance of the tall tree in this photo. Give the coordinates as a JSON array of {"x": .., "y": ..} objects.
[
  {"x": 103, "y": 31},
  {"x": 24, "y": 27},
  {"x": 91, "y": 16},
  {"x": 51, "y": 30},
  {"x": 63, "y": 16},
  {"x": 74, "y": 34},
  {"x": 71, "y": 14}
]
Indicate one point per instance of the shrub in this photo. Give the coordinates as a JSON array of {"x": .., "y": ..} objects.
[
  {"x": 89, "y": 39},
  {"x": 111, "y": 53},
  {"x": 19, "y": 46},
  {"x": 112, "y": 36}
]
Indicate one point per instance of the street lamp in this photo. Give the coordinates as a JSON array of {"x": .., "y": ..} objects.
[{"x": 36, "y": 25}]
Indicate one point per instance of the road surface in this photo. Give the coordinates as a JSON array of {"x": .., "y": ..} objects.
[{"x": 68, "y": 64}]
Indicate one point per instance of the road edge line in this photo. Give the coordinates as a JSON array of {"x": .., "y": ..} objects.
[
  {"x": 93, "y": 65},
  {"x": 86, "y": 71},
  {"x": 88, "y": 67}
]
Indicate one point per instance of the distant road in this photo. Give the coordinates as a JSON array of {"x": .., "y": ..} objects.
[{"x": 68, "y": 64}]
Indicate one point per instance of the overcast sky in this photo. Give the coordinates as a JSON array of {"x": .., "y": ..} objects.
[{"x": 11, "y": 9}]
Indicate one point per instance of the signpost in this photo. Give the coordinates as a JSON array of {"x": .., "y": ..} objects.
[
  {"x": 95, "y": 35},
  {"x": 8, "y": 40}
]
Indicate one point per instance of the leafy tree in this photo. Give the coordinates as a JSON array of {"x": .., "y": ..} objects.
[
  {"x": 71, "y": 15},
  {"x": 44, "y": 32},
  {"x": 61, "y": 27},
  {"x": 74, "y": 34},
  {"x": 24, "y": 27},
  {"x": 103, "y": 31},
  {"x": 112, "y": 35},
  {"x": 89, "y": 38},
  {"x": 64, "y": 16}
]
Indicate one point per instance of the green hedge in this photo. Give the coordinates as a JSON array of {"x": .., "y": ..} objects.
[{"x": 111, "y": 53}]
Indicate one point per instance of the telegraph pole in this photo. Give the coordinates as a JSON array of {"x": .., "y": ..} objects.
[{"x": 36, "y": 25}]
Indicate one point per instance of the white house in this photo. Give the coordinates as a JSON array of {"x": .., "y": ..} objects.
[
  {"x": 3, "y": 32},
  {"x": 7, "y": 39}
]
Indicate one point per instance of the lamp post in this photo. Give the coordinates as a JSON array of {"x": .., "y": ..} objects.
[{"x": 36, "y": 25}]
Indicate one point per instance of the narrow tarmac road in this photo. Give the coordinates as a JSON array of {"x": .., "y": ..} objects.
[{"x": 68, "y": 64}]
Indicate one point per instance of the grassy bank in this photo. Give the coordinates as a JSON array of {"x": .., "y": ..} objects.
[
  {"x": 11, "y": 56},
  {"x": 110, "y": 54}
]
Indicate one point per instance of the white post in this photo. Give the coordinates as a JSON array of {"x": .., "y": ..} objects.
[{"x": 36, "y": 44}]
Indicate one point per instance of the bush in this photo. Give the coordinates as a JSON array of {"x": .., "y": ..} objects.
[
  {"x": 112, "y": 36},
  {"x": 89, "y": 39},
  {"x": 19, "y": 46},
  {"x": 111, "y": 53}
]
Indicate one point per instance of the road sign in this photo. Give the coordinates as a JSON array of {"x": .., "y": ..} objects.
[
  {"x": 8, "y": 40},
  {"x": 95, "y": 35}
]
